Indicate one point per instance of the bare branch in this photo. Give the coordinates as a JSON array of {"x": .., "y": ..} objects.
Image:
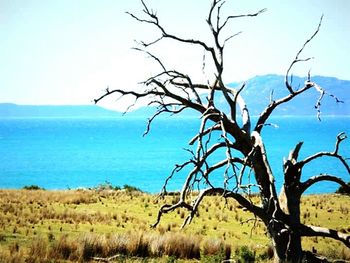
[
  {"x": 154, "y": 20},
  {"x": 226, "y": 194},
  {"x": 167, "y": 93},
  {"x": 243, "y": 108},
  {"x": 137, "y": 95},
  {"x": 107, "y": 259},
  {"x": 322, "y": 93},
  {"x": 144, "y": 44},
  {"x": 297, "y": 59},
  {"x": 187, "y": 84},
  {"x": 293, "y": 155},
  {"x": 341, "y": 136},
  {"x": 322, "y": 177},
  {"x": 152, "y": 56},
  {"x": 240, "y": 16},
  {"x": 230, "y": 37},
  {"x": 196, "y": 204},
  {"x": 177, "y": 168},
  {"x": 222, "y": 163},
  {"x": 150, "y": 120},
  {"x": 215, "y": 127},
  {"x": 168, "y": 208},
  {"x": 314, "y": 231},
  {"x": 274, "y": 104},
  {"x": 265, "y": 178}
]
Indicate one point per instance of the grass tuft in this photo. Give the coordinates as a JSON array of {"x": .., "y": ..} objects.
[{"x": 78, "y": 225}]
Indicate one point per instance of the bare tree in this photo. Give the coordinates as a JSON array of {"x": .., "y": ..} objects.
[{"x": 233, "y": 134}]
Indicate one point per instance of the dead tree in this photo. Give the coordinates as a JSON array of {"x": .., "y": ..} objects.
[{"x": 233, "y": 133}]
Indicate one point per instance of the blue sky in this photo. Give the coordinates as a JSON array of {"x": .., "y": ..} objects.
[{"x": 67, "y": 52}]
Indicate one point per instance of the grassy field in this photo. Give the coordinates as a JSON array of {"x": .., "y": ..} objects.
[{"x": 80, "y": 225}]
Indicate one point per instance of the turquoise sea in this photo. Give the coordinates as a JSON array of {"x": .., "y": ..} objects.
[{"x": 62, "y": 153}]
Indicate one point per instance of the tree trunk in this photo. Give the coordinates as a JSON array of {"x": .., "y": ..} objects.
[
  {"x": 285, "y": 233},
  {"x": 286, "y": 242}
]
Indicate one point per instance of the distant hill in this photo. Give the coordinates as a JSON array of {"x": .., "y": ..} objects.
[
  {"x": 258, "y": 90},
  {"x": 257, "y": 95},
  {"x": 14, "y": 110}
]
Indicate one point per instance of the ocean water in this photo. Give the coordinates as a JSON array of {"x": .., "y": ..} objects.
[{"x": 62, "y": 153}]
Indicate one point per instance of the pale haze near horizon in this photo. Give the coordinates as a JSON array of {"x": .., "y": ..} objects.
[{"x": 68, "y": 52}]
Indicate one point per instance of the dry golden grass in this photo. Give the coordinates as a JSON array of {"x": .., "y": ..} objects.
[{"x": 77, "y": 225}]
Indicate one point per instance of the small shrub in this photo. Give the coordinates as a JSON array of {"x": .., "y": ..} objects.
[
  {"x": 38, "y": 250},
  {"x": 138, "y": 246},
  {"x": 215, "y": 250},
  {"x": 51, "y": 236},
  {"x": 212, "y": 247},
  {"x": 345, "y": 254},
  {"x": 88, "y": 250},
  {"x": 94, "y": 246},
  {"x": 267, "y": 254},
  {"x": 64, "y": 249},
  {"x": 14, "y": 248},
  {"x": 245, "y": 255},
  {"x": 171, "y": 259},
  {"x": 344, "y": 190},
  {"x": 13, "y": 257},
  {"x": 106, "y": 186},
  {"x": 130, "y": 188},
  {"x": 182, "y": 246},
  {"x": 32, "y": 187},
  {"x": 182, "y": 214},
  {"x": 117, "y": 244}
]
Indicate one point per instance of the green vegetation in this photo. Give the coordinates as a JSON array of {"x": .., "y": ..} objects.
[
  {"x": 344, "y": 190},
  {"x": 108, "y": 186},
  {"x": 85, "y": 225},
  {"x": 32, "y": 187}
]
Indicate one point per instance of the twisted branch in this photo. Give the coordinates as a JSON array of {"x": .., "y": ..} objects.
[
  {"x": 313, "y": 231},
  {"x": 288, "y": 82},
  {"x": 322, "y": 177},
  {"x": 340, "y": 137}
]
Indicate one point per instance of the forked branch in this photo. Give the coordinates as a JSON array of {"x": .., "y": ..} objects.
[
  {"x": 335, "y": 154},
  {"x": 288, "y": 78},
  {"x": 207, "y": 192},
  {"x": 315, "y": 231},
  {"x": 323, "y": 177},
  {"x": 288, "y": 82}
]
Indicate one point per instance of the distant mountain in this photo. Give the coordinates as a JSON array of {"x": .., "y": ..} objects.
[
  {"x": 14, "y": 110},
  {"x": 259, "y": 89},
  {"x": 257, "y": 94}
]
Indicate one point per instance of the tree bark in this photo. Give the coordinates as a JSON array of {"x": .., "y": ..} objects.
[{"x": 286, "y": 242}]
